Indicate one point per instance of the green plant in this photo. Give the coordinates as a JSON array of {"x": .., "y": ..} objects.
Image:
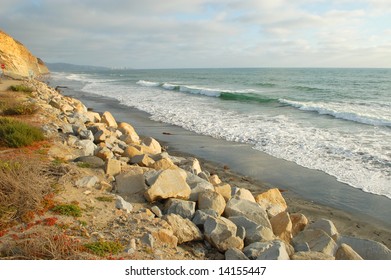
[
  {"x": 83, "y": 165},
  {"x": 104, "y": 198},
  {"x": 15, "y": 134},
  {"x": 67, "y": 210},
  {"x": 21, "y": 88},
  {"x": 103, "y": 248}
]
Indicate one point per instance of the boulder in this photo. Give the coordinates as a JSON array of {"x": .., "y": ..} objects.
[
  {"x": 183, "y": 208},
  {"x": 201, "y": 216},
  {"x": 131, "y": 152},
  {"x": 152, "y": 144},
  {"x": 142, "y": 160},
  {"x": 87, "y": 182},
  {"x": 131, "y": 182},
  {"x": 129, "y": 135},
  {"x": 109, "y": 120},
  {"x": 104, "y": 153},
  {"x": 367, "y": 249},
  {"x": 345, "y": 252},
  {"x": 197, "y": 185},
  {"x": 326, "y": 225},
  {"x": 224, "y": 190},
  {"x": 166, "y": 236},
  {"x": 248, "y": 209},
  {"x": 192, "y": 165},
  {"x": 211, "y": 200},
  {"x": 91, "y": 161},
  {"x": 93, "y": 117},
  {"x": 86, "y": 134},
  {"x": 168, "y": 183},
  {"x": 214, "y": 180},
  {"x": 235, "y": 254},
  {"x": 277, "y": 251},
  {"x": 254, "y": 250},
  {"x": 112, "y": 167},
  {"x": 164, "y": 163},
  {"x": 183, "y": 228},
  {"x": 272, "y": 201},
  {"x": 86, "y": 146},
  {"x": 221, "y": 233},
  {"x": 122, "y": 204},
  {"x": 317, "y": 240},
  {"x": 282, "y": 226},
  {"x": 254, "y": 232},
  {"x": 311, "y": 255},
  {"x": 299, "y": 222},
  {"x": 101, "y": 135},
  {"x": 244, "y": 194}
]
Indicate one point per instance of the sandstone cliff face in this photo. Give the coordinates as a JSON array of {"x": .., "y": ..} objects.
[{"x": 18, "y": 60}]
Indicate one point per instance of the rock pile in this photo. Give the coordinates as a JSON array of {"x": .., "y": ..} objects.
[{"x": 193, "y": 204}]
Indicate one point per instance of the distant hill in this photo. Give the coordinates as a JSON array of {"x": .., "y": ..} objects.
[
  {"x": 17, "y": 60},
  {"x": 66, "y": 67}
]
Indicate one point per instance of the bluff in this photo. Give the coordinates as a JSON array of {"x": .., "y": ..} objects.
[{"x": 18, "y": 60}]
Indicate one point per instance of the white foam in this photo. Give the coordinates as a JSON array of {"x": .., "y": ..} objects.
[
  {"x": 372, "y": 114},
  {"x": 148, "y": 83}
]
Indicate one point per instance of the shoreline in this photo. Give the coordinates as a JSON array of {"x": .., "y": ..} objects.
[
  {"x": 312, "y": 185},
  {"x": 348, "y": 222}
]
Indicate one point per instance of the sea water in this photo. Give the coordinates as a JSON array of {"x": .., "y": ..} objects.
[{"x": 334, "y": 120}]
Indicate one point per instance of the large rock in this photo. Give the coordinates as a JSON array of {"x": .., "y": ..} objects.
[
  {"x": 282, "y": 226},
  {"x": 225, "y": 190},
  {"x": 235, "y": 254},
  {"x": 142, "y": 160},
  {"x": 183, "y": 228},
  {"x": 211, "y": 200},
  {"x": 299, "y": 222},
  {"x": 214, "y": 180},
  {"x": 87, "y": 147},
  {"x": 164, "y": 163},
  {"x": 254, "y": 250},
  {"x": 132, "y": 151},
  {"x": 311, "y": 255},
  {"x": 109, "y": 120},
  {"x": 192, "y": 165},
  {"x": 93, "y": 117},
  {"x": 248, "y": 209},
  {"x": 129, "y": 135},
  {"x": 91, "y": 161},
  {"x": 87, "y": 182},
  {"x": 152, "y": 144},
  {"x": 201, "y": 216},
  {"x": 367, "y": 249},
  {"x": 326, "y": 225},
  {"x": 277, "y": 251},
  {"x": 131, "y": 182},
  {"x": 183, "y": 208},
  {"x": 168, "y": 183},
  {"x": 221, "y": 233},
  {"x": 345, "y": 252},
  {"x": 197, "y": 185},
  {"x": 166, "y": 236},
  {"x": 317, "y": 240},
  {"x": 253, "y": 231},
  {"x": 245, "y": 194},
  {"x": 272, "y": 201},
  {"x": 112, "y": 167}
]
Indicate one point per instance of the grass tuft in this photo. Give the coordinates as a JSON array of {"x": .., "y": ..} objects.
[
  {"x": 67, "y": 210},
  {"x": 103, "y": 248},
  {"x": 21, "y": 88},
  {"x": 15, "y": 134},
  {"x": 104, "y": 198}
]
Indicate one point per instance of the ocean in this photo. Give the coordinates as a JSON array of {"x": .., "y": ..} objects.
[{"x": 334, "y": 120}]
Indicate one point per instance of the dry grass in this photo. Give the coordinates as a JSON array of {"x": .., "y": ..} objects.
[
  {"x": 23, "y": 186},
  {"x": 45, "y": 245}
]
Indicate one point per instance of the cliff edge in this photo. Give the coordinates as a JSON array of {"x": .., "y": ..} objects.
[{"x": 18, "y": 60}]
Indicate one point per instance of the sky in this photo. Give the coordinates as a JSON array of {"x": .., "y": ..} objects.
[{"x": 203, "y": 33}]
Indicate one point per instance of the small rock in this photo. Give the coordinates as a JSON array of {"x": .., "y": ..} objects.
[
  {"x": 224, "y": 190},
  {"x": 276, "y": 252},
  {"x": 235, "y": 254},
  {"x": 87, "y": 182},
  {"x": 108, "y": 119},
  {"x": 183, "y": 228},
  {"x": 112, "y": 167},
  {"x": 272, "y": 201},
  {"x": 183, "y": 208},
  {"x": 124, "y": 205},
  {"x": 299, "y": 222},
  {"x": 214, "y": 180},
  {"x": 282, "y": 226},
  {"x": 148, "y": 240},
  {"x": 156, "y": 210},
  {"x": 326, "y": 225},
  {"x": 211, "y": 200},
  {"x": 345, "y": 252}
]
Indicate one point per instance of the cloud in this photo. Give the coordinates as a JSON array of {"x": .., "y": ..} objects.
[{"x": 201, "y": 33}]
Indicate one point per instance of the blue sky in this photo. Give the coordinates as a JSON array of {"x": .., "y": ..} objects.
[{"x": 204, "y": 33}]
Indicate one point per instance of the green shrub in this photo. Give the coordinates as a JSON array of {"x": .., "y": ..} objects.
[
  {"x": 103, "y": 248},
  {"x": 104, "y": 198},
  {"x": 15, "y": 134},
  {"x": 21, "y": 88},
  {"x": 67, "y": 210}
]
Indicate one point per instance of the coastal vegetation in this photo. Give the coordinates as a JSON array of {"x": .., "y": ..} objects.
[{"x": 15, "y": 134}]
